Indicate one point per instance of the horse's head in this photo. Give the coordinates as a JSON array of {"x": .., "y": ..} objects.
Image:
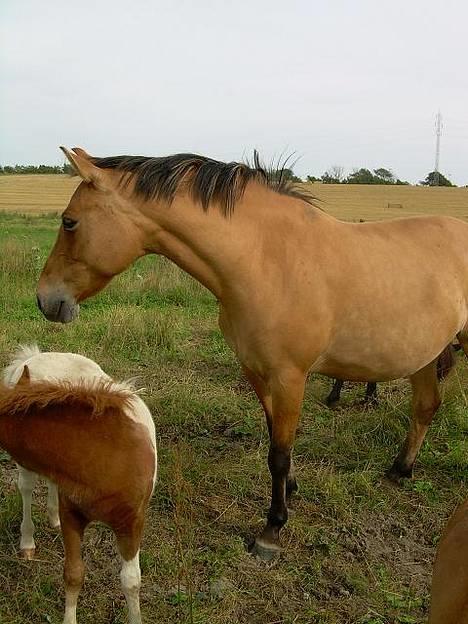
[{"x": 98, "y": 239}]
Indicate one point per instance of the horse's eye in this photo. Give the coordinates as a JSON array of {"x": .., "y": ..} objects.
[{"x": 69, "y": 224}]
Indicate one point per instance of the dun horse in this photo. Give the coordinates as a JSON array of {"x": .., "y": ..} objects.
[
  {"x": 53, "y": 429},
  {"x": 298, "y": 290}
]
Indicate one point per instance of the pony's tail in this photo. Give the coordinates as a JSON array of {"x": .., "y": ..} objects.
[
  {"x": 445, "y": 362},
  {"x": 23, "y": 354}
]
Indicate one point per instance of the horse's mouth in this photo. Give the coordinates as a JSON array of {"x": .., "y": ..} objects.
[{"x": 58, "y": 310}]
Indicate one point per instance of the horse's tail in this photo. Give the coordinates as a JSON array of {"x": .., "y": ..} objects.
[{"x": 445, "y": 362}]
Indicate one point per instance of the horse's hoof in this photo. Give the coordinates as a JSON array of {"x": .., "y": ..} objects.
[
  {"x": 395, "y": 474},
  {"x": 54, "y": 524},
  {"x": 27, "y": 554},
  {"x": 264, "y": 551}
]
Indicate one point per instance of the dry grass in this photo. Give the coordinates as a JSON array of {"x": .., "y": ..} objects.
[
  {"x": 51, "y": 193},
  {"x": 352, "y": 202},
  {"x": 36, "y": 193}
]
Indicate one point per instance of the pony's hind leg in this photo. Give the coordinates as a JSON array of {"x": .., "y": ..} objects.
[
  {"x": 53, "y": 505},
  {"x": 130, "y": 574},
  {"x": 73, "y": 524},
  {"x": 287, "y": 391},
  {"x": 425, "y": 403},
  {"x": 26, "y": 482}
]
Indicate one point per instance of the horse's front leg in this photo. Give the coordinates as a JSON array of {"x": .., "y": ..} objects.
[
  {"x": 286, "y": 391},
  {"x": 263, "y": 392}
]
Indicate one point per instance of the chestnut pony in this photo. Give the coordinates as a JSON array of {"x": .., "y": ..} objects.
[
  {"x": 298, "y": 290},
  {"x": 449, "y": 591}
]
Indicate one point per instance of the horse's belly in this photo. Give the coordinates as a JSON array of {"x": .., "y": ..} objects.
[{"x": 382, "y": 359}]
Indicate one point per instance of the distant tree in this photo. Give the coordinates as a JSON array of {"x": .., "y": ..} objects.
[
  {"x": 435, "y": 179},
  {"x": 334, "y": 175},
  {"x": 361, "y": 176},
  {"x": 311, "y": 178},
  {"x": 384, "y": 176},
  {"x": 286, "y": 174},
  {"x": 32, "y": 169}
]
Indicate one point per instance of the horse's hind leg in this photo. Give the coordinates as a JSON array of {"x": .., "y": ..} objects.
[{"x": 425, "y": 403}]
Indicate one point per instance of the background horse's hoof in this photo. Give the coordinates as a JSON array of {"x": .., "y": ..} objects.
[
  {"x": 27, "y": 554},
  {"x": 265, "y": 551}
]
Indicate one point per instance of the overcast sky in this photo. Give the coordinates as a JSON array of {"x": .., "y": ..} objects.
[{"x": 351, "y": 83}]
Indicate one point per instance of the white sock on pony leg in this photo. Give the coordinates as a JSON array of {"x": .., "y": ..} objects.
[
  {"x": 130, "y": 577},
  {"x": 26, "y": 482}
]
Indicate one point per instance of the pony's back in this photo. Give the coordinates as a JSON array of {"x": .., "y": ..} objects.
[{"x": 51, "y": 365}]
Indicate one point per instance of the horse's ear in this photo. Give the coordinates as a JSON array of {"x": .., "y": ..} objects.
[
  {"x": 25, "y": 378},
  {"x": 83, "y": 165}
]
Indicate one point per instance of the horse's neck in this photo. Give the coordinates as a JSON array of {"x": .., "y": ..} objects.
[{"x": 224, "y": 253}]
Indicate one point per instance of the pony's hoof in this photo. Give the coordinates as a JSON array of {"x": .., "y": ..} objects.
[
  {"x": 264, "y": 551},
  {"x": 27, "y": 554},
  {"x": 54, "y": 524}
]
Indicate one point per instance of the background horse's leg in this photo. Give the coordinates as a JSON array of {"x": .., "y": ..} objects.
[
  {"x": 264, "y": 396},
  {"x": 334, "y": 395},
  {"x": 371, "y": 393},
  {"x": 287, "y": 392},
  {"x": 425, "y": 403}
]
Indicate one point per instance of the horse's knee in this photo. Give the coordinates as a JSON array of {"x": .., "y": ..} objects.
[{"x": 73, "y": 575}]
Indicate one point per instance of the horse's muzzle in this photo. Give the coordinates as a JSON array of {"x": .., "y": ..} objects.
[{"x": 58, "y": 308}]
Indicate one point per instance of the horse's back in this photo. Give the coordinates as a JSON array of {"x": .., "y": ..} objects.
[{"x": 449, "y": 595}]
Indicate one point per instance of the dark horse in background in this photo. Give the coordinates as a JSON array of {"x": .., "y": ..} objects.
[
  {"x": 445, "y": 362},
  {"x": 299, "y": 291}
]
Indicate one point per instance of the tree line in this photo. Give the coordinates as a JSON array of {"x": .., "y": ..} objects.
[
  {"x": 32, "y": 169},
  {"x": 334, "y": 175}
]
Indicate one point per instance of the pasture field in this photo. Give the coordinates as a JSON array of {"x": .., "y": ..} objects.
[{"x": 357, "y": 550}]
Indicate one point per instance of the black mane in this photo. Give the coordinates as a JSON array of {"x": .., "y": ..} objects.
[{"x": 208, "y": 180}]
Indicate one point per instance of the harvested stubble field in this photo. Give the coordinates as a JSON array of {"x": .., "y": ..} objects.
[
  {"x": 32, "y": 194},
  {"x": 357, "y": 550}
]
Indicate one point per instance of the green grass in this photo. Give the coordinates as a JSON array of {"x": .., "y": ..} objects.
[{"x": 356, "y": 549}]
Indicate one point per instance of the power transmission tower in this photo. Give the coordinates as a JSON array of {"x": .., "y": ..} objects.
[{"x": 438, "y": 127}]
